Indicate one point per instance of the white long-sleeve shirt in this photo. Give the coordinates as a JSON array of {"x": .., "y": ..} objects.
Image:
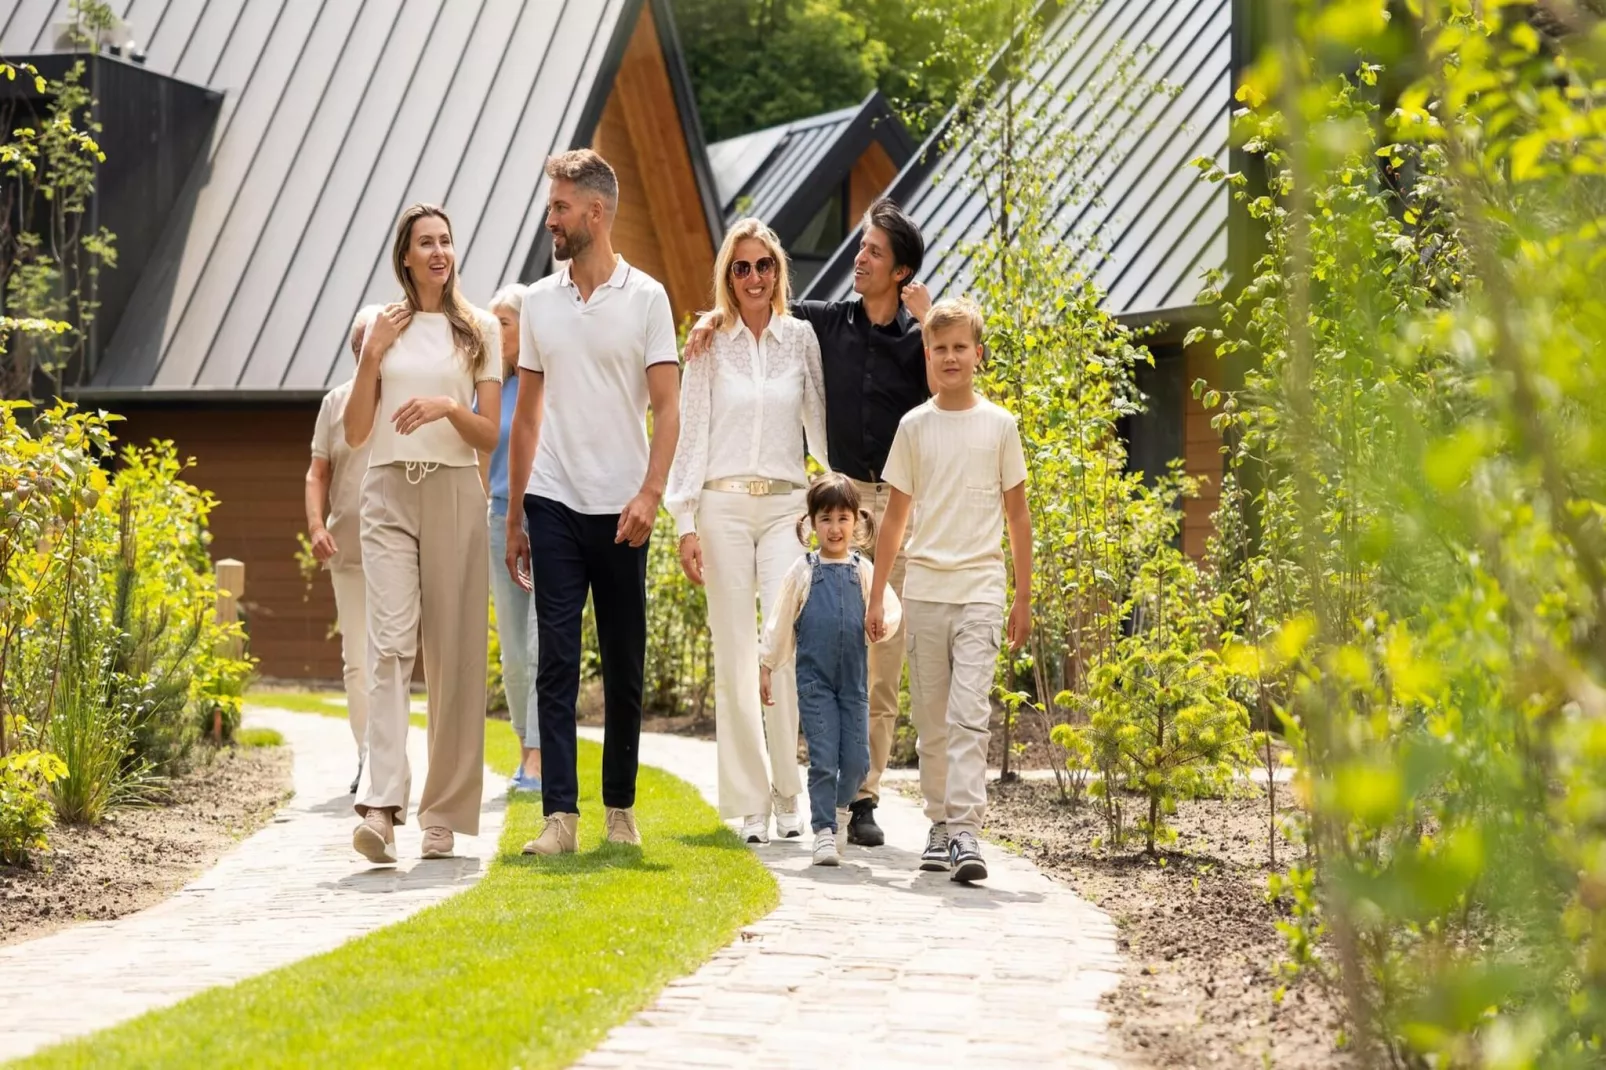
[{"x": 745, "y": 409}]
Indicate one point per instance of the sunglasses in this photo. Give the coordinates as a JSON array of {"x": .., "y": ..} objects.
[{"x": 765, "y": 265}]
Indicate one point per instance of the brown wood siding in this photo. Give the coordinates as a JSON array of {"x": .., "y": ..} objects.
[
  {"x": 1202, "y": 446},
  {"x": 661, "y": 225},
  {"x": 254, "y": 459},
  {"x": 872, "y": 173}
]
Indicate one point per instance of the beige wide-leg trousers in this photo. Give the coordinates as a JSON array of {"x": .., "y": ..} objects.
[
  {"x": 886, "y": 658},
  {"x": 351, "y": 616},
  {"x": 748, "y": 544},
  {"x": 424, "y": 548},
  {"x": 953, "y": 657}
]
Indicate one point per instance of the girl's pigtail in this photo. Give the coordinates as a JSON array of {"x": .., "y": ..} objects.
[
  {"x": 866, "y": 530},
  {"x": 802, "y": 536}
]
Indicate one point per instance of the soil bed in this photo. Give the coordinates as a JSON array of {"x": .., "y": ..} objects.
[
  {"x": 1198, "y": 935},
  {"x": 139, "y": 856}
]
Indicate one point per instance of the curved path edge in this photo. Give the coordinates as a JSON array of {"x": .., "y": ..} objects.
[
  {"x": 291, "y": 890},
  {"x": 875, "y": 964}
]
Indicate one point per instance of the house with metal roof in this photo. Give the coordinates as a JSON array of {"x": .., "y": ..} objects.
[
  {"x": 811, "y": 179},
  {"x": 258, "y": 153},
  {"x": 1150, "y": 226}
]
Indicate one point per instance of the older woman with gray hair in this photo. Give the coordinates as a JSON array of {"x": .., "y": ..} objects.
[
  {"x": 334, "y": 500},
  {"x": 515, "y": 606}
]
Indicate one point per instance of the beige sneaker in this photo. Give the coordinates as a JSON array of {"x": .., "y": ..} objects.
[
  {"x": 375, "y": 838},
  {"x": 560, "y": 837},
  {"x": 622, "y": 826},
  {"x": 438, "y": 842}
]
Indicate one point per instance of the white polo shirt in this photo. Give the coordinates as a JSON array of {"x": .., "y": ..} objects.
[{"x": 594, "y": 357}]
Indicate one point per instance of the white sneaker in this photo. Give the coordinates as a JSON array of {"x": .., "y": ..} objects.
[
  {"x": 825, "y": 850},
  {"x": 756, "y": 828},
  {"x": 842, "y": 816},
  {"x": 788, "y": 822}
]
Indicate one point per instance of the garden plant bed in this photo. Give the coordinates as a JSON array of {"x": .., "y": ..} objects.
[
  {"x": 1199, "y": 937},
  {"x": 141, "y": 855}
]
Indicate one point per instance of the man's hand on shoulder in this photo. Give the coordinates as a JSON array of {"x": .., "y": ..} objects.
[
  {"x": 701, "y": 337},
  {"x": 917, "y": 299}
]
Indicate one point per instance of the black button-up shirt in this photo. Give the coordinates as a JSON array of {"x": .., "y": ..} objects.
[{"x": 873, "y": 375}]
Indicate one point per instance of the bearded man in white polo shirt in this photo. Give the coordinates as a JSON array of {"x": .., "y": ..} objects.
[{"x": 597, "y": 347}]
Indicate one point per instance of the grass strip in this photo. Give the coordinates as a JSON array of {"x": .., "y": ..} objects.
[{"x": 529, "y": 968}]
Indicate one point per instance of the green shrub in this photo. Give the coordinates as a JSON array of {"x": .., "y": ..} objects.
[
  {"x": 109, "y": 645},
  {"x": 26, "y": 778},
  {"x": 1163, "y": 723}
]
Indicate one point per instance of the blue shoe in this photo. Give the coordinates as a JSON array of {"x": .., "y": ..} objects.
[{"x": 520, "y": 782}]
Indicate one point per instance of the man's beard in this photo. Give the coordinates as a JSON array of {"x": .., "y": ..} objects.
[{"x": 568, "y": 244}]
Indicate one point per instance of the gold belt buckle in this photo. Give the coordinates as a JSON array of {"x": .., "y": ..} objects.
[{"x": 758, "y": 488}]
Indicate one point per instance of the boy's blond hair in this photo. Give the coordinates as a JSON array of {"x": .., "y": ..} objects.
[{"x": 954, "y": 312}]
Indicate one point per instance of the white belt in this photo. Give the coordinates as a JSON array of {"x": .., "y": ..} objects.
[{"x": 758, "y": 488}]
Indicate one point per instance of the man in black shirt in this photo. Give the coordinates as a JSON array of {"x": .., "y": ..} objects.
[{"x": 874, "y": 366}]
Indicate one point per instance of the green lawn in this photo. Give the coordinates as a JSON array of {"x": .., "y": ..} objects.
[{"x": 529, "y": 968}]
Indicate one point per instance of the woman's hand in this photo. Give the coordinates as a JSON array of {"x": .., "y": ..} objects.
[
  {"x": 764, "y": 686},
  {"x": 420, "y": 411},
  {"x": 323, "y": 545},
  {"x": 875, "y": 619},
  {"x": 691, "y": 557},
  {"x": 385, "y": 329}
]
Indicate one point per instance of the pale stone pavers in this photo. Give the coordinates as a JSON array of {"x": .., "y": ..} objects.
[
  {"x": 878, "y": 965},
  {"x": 292, "y": 890}
]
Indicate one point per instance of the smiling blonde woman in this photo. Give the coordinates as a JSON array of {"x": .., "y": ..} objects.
[
  {"x": 428, "y": 385},
  {"x": 736, "y": 489}
]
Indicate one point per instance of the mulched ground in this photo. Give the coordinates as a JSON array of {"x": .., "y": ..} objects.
[
  {"x": 1198, "y": 934},
  {"x": 139, "y": 856}
]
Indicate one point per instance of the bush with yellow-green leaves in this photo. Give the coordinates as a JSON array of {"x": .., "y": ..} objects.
[{"x": 112, "y": 663}]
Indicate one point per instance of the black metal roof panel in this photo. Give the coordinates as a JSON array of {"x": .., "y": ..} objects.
[
  {"x": 1157, "y": 224},
  {"x": 784, "y": 173},
  {"x": 336, "y": 115}
]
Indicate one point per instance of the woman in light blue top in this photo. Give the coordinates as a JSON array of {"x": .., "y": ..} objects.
[{"x": 515, "y": 608}]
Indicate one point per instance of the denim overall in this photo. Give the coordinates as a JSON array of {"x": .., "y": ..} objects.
[{"x": 833, "y": 696}]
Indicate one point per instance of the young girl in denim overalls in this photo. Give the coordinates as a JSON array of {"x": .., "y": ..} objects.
[{"x": 819, "y": 614}]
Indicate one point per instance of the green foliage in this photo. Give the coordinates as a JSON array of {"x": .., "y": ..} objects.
[
  {"x": 110, "y": 653},
  {"x": 680, "y": 649},
  {"x": 1412, "y": 552},
  {"x": 1163, "y": 723},
  {"x": 26, "y": 777},
  {"x": 50, "y": 261},
  {"x": 757, "y": 64}
]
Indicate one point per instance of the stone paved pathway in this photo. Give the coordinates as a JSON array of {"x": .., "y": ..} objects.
[
  {"x": 876, "y": 964},
  {"x": 292, "y": 890}
]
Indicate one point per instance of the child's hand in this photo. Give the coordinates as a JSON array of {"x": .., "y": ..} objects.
[
  {"x": 764, "y": 686},
  {"x": 1020, "y": 623},
  {"x": 875, "y": 620}
]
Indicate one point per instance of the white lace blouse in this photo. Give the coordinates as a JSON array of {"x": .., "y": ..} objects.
[{"x": 745, "y": 407}]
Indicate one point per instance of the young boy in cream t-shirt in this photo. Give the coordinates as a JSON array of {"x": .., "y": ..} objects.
[{"x": 959, "y": 458}]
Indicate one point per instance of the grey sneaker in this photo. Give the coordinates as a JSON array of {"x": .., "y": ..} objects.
[
  {"x": 825, "y": 852},
  {"x": 375, "y": 838},
  {"x": 934, "y": 859},
  {"x": 965, "y": 855}
]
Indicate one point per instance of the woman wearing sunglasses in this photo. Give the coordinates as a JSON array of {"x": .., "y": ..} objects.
[{"x": 736, "y": 489}]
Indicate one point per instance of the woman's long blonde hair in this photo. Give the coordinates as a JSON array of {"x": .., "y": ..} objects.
[
  {"x": 726, "y": 309},
  {"x": 462, "y": 316}
]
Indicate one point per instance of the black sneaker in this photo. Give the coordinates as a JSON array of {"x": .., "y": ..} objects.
[
  {"x": 964, "y": 854},
  {"x": 356, "y": 781},
  {"x": 934, "y": 859},
  {"x": 862, "y": 828}
]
